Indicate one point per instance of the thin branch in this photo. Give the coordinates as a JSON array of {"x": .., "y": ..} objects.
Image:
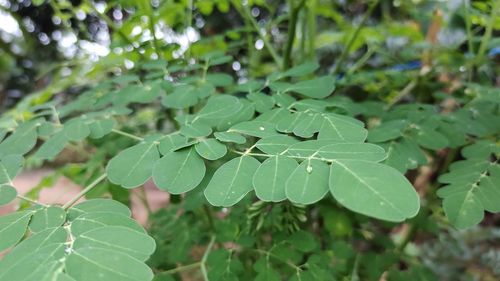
[
  {"x": 489, "y": 30},
  {"x": 127, "y": 135},
  {"x": 183, "y": 268},
  {"x": 345, "y": 52},
  {"x": 31, "y": 201},
  {"x": 292, "y": 25},
  {"x": 203, "y": 267},
  {"x": 245, "y": 12},
  {"x": 84, "y": 191}
]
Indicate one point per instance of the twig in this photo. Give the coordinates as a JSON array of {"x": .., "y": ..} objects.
[
  {"x": 346, "y": 50},
  {"x": 244, "y": 11},
  {"x": 183, "y": 268},
  {"x": 84, "y": 191},
  {"x": 31, "y": 201},
  {"x": 292, "y": 25},
  {"x": 487, "y": 33},
  {"x": 127, "y": 135},
  {"x": 203, "y": 267}
]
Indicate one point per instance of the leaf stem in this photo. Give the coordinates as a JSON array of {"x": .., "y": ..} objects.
[
  {"x": 84, "y": 191},
  {"x": 183, "y": 268},
  {"x": 203, "y": 262},
  {"x": 248, "y": 153},
  {"x": 31, "y": 201},
  {"x": 487, "y": 33},
  {"x": 292, "y": 25},
  {"x": 200, "y": 264},
  {"x": 269, "y": 254},
  {"x": 345, "y": 52},
  {"x": 127, "y": 135}
]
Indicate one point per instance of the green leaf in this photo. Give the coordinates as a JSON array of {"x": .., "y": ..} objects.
[
  {"x": 288, "y": 121},
  {"x": 49, "y": 217},
  {"x": 232, "y": 181},
  {"x": 179, "y": 171},
  {"x": 195, "y": 130},
  {"x": 308, "y": 183},
  {"x": 387, "y": 131},
  {"x": 218, "y": 107},
  {"x": 182, "y": 97},
  {"x": 358, "y": 151},
  {"x": 9, "y": 168},
  {"x": 308, "y": 148},
  {"x": 299, "y": 70},
  {"x": 463, "y": 209},
  {"x": 98, "y": 206},
  {"x": 52, "y": 146},
  {"x": 342, "y": 128},
  {"x": 472, "y": 187},
  {"x": 27, "y": 247},
  {"x": 269, "y": 179},
  {"x": 276, "y": 144},
  {"x": 90, "y": 221},
  {"x": 211, "y": 149},
  {"x": 255, "y": 129},
  {"x": 41, "y": 264},
  {"x": 76, "y": 129},
  {"x": 245, "y": 114},
  {"x": 133, "y": 166},
  {"x": 263, "y": 102},
  {"x": 317, "y": 88},
  {"x": 7, "y": 194},
  {"x": 307, "y": 125},
  {"x": 430, "y": 138},
  {"x": 106, "y": 265},
  {"x": 117, "y": 238},
  {"x": 171, "y": 143},
  {"x": 100, "y": 128},
  {"x": 303, "y": 241},
  {"x": 22, "y": 140},
  {"x": 230, "y": 137},
  {"x": 404, "y": 154},
  {"x": 12, "y": 228},
  {"x": 373, "y": 189}
]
